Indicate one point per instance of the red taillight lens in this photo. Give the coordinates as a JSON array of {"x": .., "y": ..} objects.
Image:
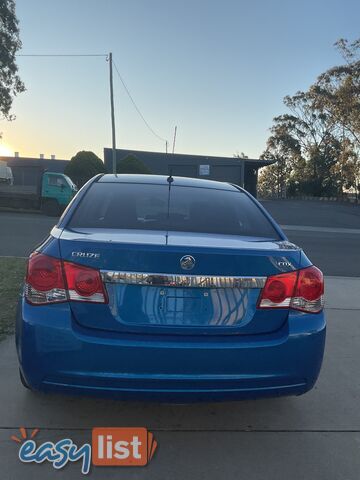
[
  {"x": 278, "y": 291},
  {"x": 84, "y": 283},
  {"x": 309, "y": 292},
  {"x": 87, "y": 283},
  {"x": 44, "y": 273},
  {"x": 300, "y": 290},
  {"x": 45, "y": 282},
  {"x": 310, "y": 284}
]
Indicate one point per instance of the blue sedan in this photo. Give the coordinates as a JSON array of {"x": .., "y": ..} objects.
[{"x": 169, "y": 288}]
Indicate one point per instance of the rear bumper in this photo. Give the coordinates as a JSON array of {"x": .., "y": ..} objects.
[{"x": 55, "y": 354}]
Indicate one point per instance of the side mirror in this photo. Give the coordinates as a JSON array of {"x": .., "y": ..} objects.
[{"x": 62, "y": 186}]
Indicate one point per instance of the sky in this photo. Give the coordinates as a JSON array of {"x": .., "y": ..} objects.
[{"x": 216, "y": 69}]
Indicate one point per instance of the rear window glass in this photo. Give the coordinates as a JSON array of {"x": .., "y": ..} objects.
[{"x": 190, "y": 209}]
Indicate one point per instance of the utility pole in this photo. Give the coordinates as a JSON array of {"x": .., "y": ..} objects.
[
  {"x": 112, "y": 114},
  {"x": 173, "y": 149},
  {"x": 242, "y": 173}
]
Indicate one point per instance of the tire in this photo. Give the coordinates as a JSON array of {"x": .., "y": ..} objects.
[
  {"x": 51, "y": 208},
  {"x": 23, "y": 381}
]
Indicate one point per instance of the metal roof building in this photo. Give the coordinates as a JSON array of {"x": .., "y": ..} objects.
[
  {"x": 53, "y": 165},
  {"x": 243, "y": 172}
]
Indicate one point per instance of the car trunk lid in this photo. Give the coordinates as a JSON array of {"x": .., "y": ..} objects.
[{"x": 150, "y": 291}]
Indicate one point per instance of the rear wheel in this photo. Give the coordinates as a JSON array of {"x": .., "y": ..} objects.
[{"x": 51, "y": 208}]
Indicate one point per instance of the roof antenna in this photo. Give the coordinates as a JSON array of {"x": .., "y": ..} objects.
[{"x": 170, "y": 180}]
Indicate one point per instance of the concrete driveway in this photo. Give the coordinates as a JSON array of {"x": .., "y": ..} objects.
[{"x": 313, "y": 436}]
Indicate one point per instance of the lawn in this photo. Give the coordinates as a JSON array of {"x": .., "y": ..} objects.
[{"x": 12, "y": 271}]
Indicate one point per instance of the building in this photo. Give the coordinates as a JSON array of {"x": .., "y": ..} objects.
[
  {"x": 243, "y": 172},
  {"x": 25, "y": 170}
]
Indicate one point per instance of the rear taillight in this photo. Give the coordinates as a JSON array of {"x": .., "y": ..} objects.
[
  {"x": 278, "y": 291},
  {"x": 300, "y": 290},
  {"x": 49, "y": 280},
  {"x": 44, "y": 281},
  {"x": 84, "y": 284},
  {"x": 309, "y": 291}
]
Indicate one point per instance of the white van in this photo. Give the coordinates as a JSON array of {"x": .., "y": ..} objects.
[{"x": 6, "y": 175}]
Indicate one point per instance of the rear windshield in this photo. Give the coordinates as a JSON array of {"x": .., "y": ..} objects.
[{"x": 188, "y": 209}]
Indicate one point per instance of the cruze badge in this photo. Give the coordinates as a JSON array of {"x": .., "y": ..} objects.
[
  {"x": 85, "y": 254},
  {"x": 187, "y": 262}
]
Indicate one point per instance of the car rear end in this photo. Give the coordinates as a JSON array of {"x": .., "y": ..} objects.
[{"x": 175, "y": 290}]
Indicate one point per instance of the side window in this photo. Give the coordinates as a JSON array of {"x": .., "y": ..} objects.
[{"x": 56, "y": 181}]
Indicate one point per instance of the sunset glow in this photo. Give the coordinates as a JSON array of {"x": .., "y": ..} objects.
[{"x": 6, "y": 151}]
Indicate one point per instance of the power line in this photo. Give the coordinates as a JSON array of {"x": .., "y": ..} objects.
[
  {"x": 136, "y": 107},
  {"x": 62, "y": 55},
  {"x": 117, "y": 71}
]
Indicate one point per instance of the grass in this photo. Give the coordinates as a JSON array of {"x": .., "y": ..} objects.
[{"x": 12, "y": 271}]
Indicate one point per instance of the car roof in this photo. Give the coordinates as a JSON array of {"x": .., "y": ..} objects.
[{"x": 162, "y": 180}]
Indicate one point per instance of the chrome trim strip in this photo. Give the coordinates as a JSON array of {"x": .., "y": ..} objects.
[{"x": 174, "y": 280}]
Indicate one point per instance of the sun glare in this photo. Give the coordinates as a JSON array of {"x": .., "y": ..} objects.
[{"x": 6, "y": 151}]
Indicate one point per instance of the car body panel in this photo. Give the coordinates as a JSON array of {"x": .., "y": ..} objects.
[{"x": 59, "y": 355}]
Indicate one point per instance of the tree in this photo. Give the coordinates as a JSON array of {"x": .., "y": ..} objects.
[
  {"x": 282, "y": 148},
  {"x": 10, "y": 82},
  {"x": 303, "y": 145},
  {"x": 347, "y": 168},
  {"x": 83, "y": 166},
  {"x": 337, "y": 94},
  {"x": 132, "y": 164},
  {"x": 240, "y": 155},
  {"x": 317, "y": 144},
  {"x": 337, "y": 91}
]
